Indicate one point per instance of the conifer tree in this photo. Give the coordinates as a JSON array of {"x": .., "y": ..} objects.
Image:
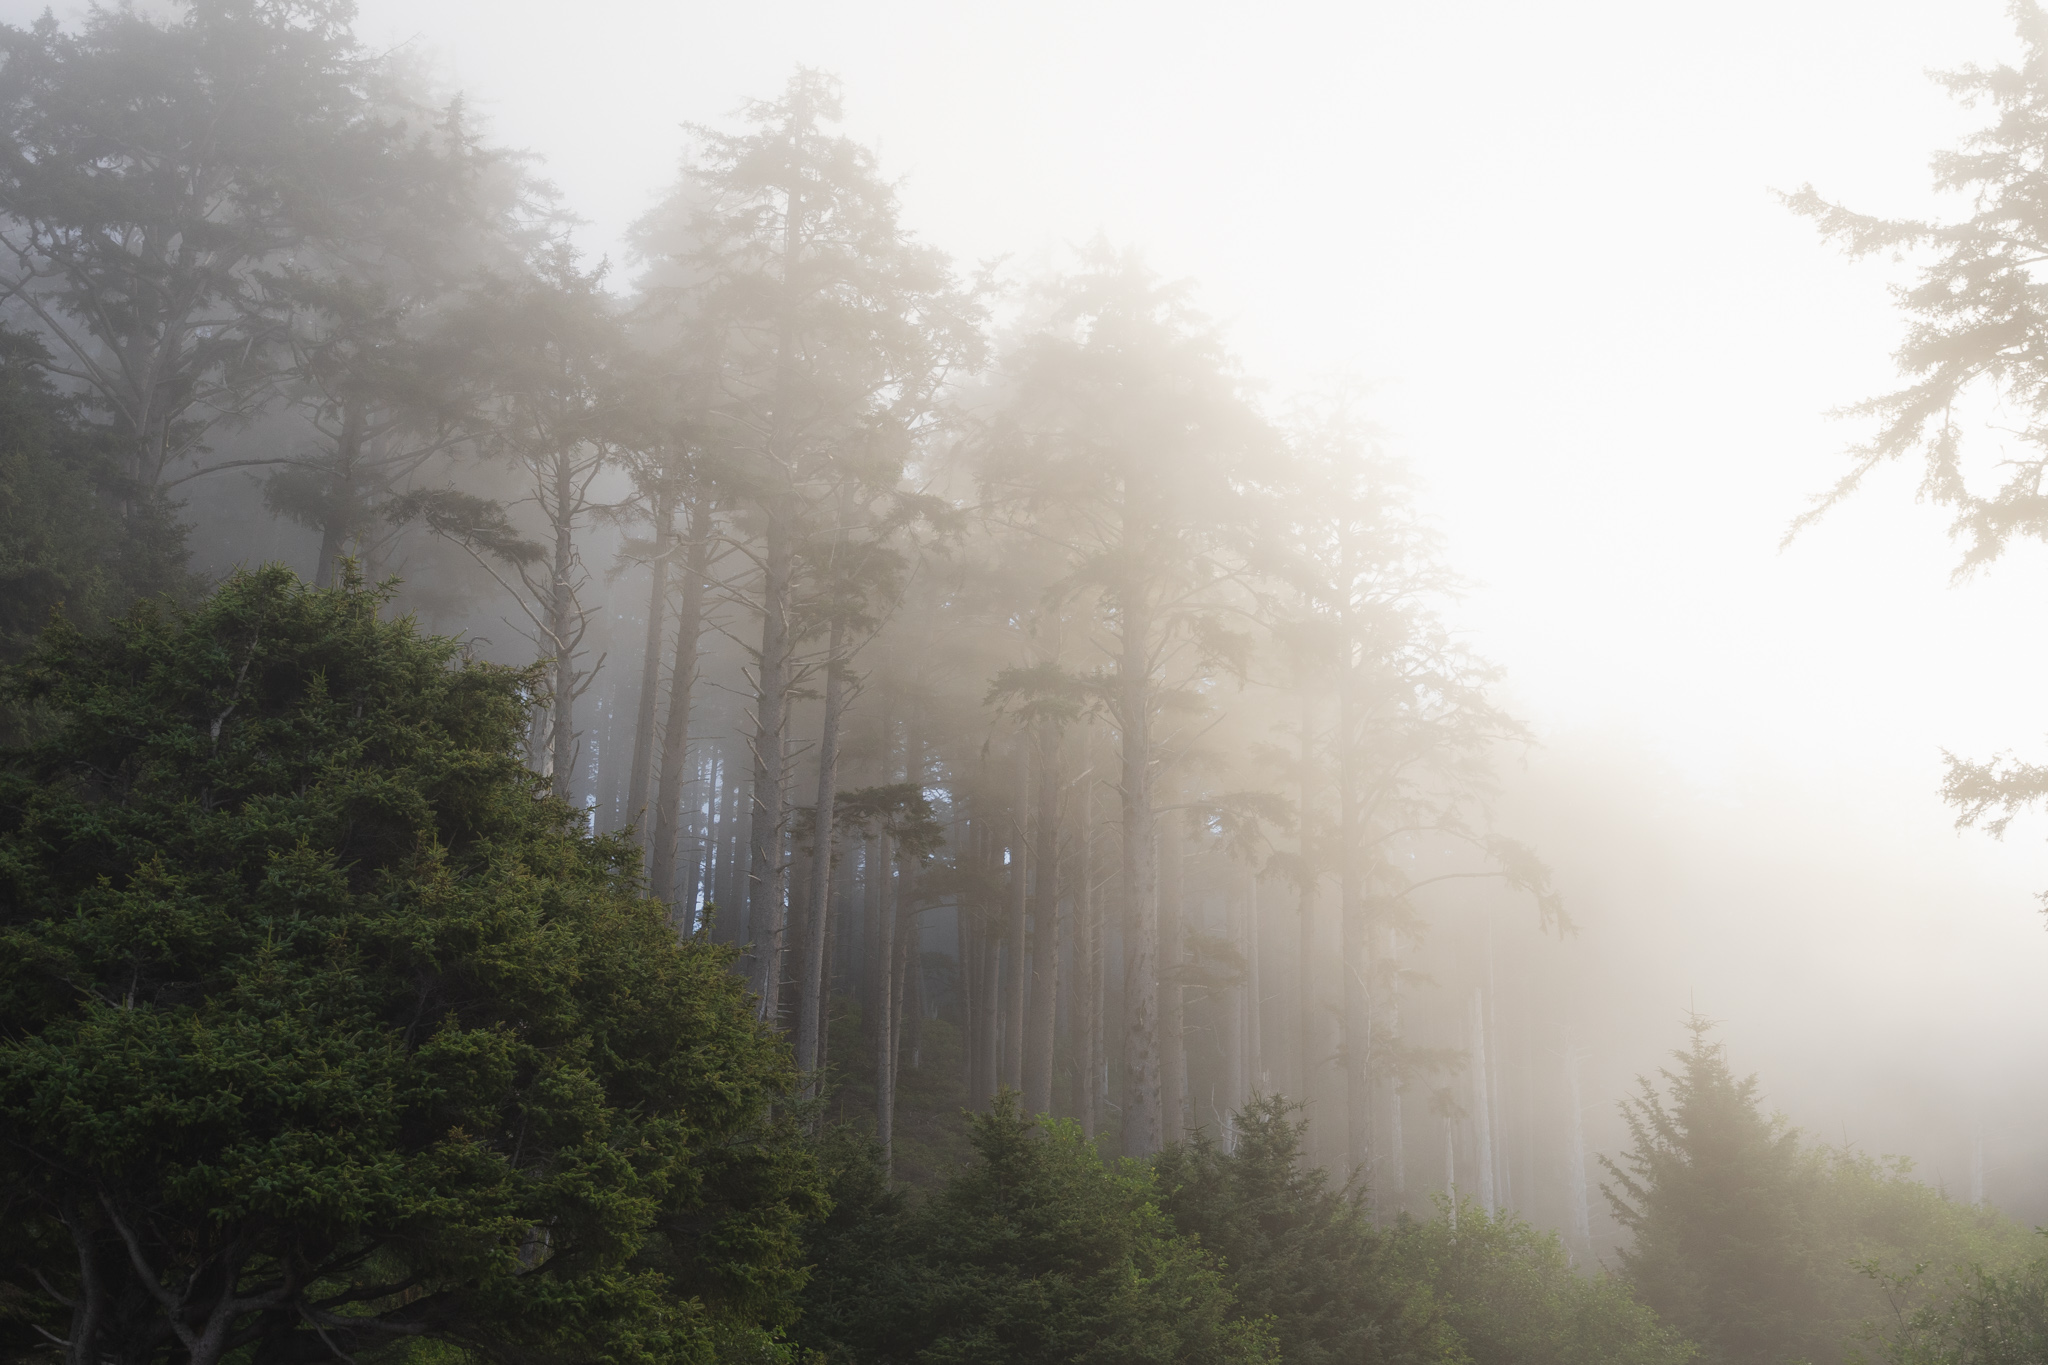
[{"x": 1717, "y": 1201}]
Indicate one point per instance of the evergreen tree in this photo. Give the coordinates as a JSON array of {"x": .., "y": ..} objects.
[
  {"x": 152, "y": 174},
  {"x": 1297, "y": 1252},
  {"x": 327, "y": 1028},
  {"x": 1123, "y": 439},
  {"x": 1717, "y": 1200},
  {"x": 1038, "y": 1252}
]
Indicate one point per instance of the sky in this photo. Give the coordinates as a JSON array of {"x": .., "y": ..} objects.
[{"x": 1548, "y": 235}]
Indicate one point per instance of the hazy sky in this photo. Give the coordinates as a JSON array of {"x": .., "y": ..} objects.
[{"x": 1548, "y": 232}]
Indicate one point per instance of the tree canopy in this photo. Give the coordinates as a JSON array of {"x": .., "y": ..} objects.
[{"x": 327, "y": 1027}]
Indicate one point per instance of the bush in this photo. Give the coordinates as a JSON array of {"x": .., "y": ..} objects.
[
  {"x": 1038, "y": 1253},
  {"x": 1513, "y": 1298}
]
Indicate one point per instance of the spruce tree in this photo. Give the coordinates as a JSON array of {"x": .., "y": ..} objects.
[{"x": 1717, "y": 1199}]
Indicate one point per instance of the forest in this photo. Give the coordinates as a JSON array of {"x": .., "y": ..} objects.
[{"x": 787, "y": 797}]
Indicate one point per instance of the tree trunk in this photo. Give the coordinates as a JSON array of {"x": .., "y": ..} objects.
[
  {"x": 871, "y": 941},
  {"x": 1255, "y": 994},
  {"x": 1315, "y": 1050},
  {"x": 767, "y": 907},
  {"x": 561, "y": 624},
  {"x": 913, "y": 992},
  {"x": 1043, "y": 1013},
  {"x": 885, "y": 1000},
  {"x": 697, "y": 868},
  {"x": 650, "y": 667},
  {"x": 1016, "y": 988},
  {"x": 1088, "y": 945},
  {"x": 1173, "y": 1051},
  {"x": 811, "y": 988},
  {"x": 88, "y": 1309},
  {"x": 988, "y": 1006},
  {"x": 1141, "y": 1116},
  {"x": 731, "y": 886},
  {"x": 1396, "y": 1176},
  {"x": 339, "y": 523},
  {"x": 1235, "y": 1025},
  {"x": 675, "y": 731},
  {"x": 1482, "y": 1118}
]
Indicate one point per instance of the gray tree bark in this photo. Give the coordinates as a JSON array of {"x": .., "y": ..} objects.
[
  {"x": 675, "y": 730},
  {"x": 1042, "y": 1015},
  {"x": 650, "y": 667}
]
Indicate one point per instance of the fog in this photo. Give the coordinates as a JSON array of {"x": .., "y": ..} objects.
[
  {"x": 1548, "y": 236},
  {"x": 1548, "y": 241}
]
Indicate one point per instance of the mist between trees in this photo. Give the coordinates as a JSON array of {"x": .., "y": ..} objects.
[
  {"x": 1029, "y": 700},
  {"x": 982, "y": 655}
]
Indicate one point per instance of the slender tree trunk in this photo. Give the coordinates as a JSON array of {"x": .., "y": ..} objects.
[
  {"x": 340, "y": 522},
  {"x": 1042, "y": 1015},
  {"x": 1315, "y": 1050},
  {"x": 913, "y": 992},
  {"x": 562, "y": 625},
  {"x": 698, "y": 867},
  {"x": 766, "y": 870},
  {"x": 885, "y": 1001},
  {"x": 650, "y": 666},
  {"x": 1254, "y": 995},
  {"x": 767, "y": 898},
  {"x": 732, "y": 886},
  {"x": 1141, "y": 1116},
  {"x": 1499, "y": 1154},
  {"x": 1088, "y": 919},
  {"x": 1235, "y": 1028},
  {"x": 1016, "y": 972},
  {"x": 1354, "y": 950},
  {"x": 871, "y": 876},
  {"x": 675, "y": 731},
  {"x": 88, "y": 1309},
  {"x": 1482, "y": 1118},
  {"x": 1396, "y": 1177},
  {"x": 970, "y": 1006},
  {"x": 811, "y": 989},
  {"x": 1173, "y": 1038},
  {"x": 988, "y": 965}
]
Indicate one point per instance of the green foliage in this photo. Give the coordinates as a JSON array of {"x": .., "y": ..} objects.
[
  {"x": 325, "y": 1028},
  {"x": 1764, "y": 1251},
  {"x": 1298, "y": 1253},
  {"x": 64, "y": 540},
  {"x": 1038, "y": 1252},
  {"x": 929, "y": 1144},
  {"x": 1987, "y": 1318},
  {"x": 1513, "y": 1297},
  {"x": 1889, "y": 1244}
]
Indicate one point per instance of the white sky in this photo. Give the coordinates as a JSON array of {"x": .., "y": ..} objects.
[{"x": 1548, "y": 231}]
